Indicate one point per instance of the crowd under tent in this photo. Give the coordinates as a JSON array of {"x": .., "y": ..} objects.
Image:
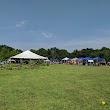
[
  {"x": 65, "y": 60},
  {"x": 11, "y": 61},
  {"x": 85, "y": 61},
  {"x": 99, "y": 61},
  {"x": 91, "y": 61},
  {"x": 74, "y": 60},
  {"x": 47, "y": 61},
  {"x": 55, "y": 61}
]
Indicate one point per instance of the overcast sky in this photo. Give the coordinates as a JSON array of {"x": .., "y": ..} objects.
[{"x": 65, "y": 24}]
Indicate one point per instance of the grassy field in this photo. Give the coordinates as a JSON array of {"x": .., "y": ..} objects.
[{"x": 56, "y": 87}]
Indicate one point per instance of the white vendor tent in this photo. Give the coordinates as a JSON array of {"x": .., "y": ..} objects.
[
  {"x": 65, "y": 59},
  {"x": 28, "y": 55}
]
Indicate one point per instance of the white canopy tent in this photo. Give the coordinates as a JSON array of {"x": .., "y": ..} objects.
[
  {"x": 65, "y": 59},
  {"x": 28, "y": 55}
]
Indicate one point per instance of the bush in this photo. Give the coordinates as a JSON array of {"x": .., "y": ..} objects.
[
  {"x": 12, "y": 66},
  {"x": 48, "y": 64},
  {"x": 31, "y": 65}
]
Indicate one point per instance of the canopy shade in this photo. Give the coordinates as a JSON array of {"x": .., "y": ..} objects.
[
  {"x": 74, "y": 59},
  {"x": 88, "y": 58},
  {"x": 28, "y": 55},
  {"x": 99, "y": 59},
  {"x": 66, "y": 58}
]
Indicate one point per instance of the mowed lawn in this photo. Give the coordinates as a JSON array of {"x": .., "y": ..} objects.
[{"x": 55, "y": 87}]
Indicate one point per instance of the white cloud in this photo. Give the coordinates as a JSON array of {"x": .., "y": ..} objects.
[
  {"x": 21, "y": 23},
  {"x": 47, "y": 35}
]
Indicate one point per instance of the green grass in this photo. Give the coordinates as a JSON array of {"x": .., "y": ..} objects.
[{"x": 56, "y": 87}]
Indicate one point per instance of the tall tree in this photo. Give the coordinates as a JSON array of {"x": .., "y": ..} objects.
[{"x": 42, "y": 52}]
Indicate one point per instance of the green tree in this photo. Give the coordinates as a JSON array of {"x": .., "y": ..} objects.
[
  {"x": 6, "y": 52},
  {"x": 53, "y": 53},
  {"x": 63, "y": 53},
  {"x": 42, "y": 52}
]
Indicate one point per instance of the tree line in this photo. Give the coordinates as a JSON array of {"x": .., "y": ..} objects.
[{"x": 55, "y": 53}]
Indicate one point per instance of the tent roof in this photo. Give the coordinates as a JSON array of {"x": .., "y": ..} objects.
[
  {"x": 66, "y": 58},
  {"x": 28, "y": 55},
  {"x": 74, "y": 58},
  {"x": 88, "y": 58},
  {"x": 98, "y": 58}
]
